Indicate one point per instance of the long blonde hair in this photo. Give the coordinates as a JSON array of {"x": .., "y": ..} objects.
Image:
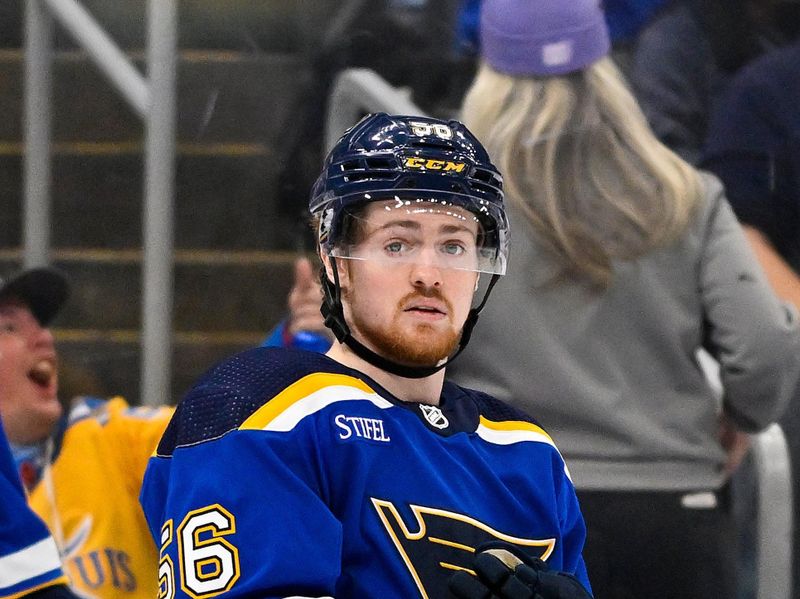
[{"x": 581, "y": 162}]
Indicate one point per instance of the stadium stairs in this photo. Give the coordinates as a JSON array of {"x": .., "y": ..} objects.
[{"x": 242, "y": 66}]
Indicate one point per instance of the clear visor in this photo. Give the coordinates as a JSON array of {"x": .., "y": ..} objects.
[{"x": 459, "y": 233}]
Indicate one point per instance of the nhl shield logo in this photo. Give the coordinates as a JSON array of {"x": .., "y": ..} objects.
[{"x": 434, "y": 416}]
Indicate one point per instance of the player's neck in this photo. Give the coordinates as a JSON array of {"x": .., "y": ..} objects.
[{"x": 425, "y": 390}]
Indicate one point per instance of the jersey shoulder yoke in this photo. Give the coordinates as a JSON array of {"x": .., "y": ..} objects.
[{"x": 256, "y": 383}]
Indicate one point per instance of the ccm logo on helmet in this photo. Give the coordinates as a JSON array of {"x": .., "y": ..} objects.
[{"x": 432, "y": 164}]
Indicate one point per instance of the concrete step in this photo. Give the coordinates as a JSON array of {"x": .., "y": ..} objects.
[
  {"x": 225, "y": 197},
  {"x": 222, "y": 97},
  {"x": 214, "y": 292}
]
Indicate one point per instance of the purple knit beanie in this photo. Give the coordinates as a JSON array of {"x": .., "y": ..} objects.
[{"x": 542, "y": 37}]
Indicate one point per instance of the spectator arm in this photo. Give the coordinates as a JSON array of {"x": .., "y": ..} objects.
[{"x": 783, "y": 279}]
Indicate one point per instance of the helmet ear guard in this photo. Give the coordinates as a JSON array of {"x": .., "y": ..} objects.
[{"x": 332, "y": 309}]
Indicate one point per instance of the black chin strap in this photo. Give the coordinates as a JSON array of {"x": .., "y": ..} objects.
[{"x": 333, "y": 312}]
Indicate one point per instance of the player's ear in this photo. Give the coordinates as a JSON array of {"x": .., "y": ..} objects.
[
  {"x": 341, "y": 269},
  {"x": 326, "y": 264}
]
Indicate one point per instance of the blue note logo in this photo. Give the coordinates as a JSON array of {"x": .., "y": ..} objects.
[
  {"x": 433, "y": 543},
  {"x": 349, "y": 427}
]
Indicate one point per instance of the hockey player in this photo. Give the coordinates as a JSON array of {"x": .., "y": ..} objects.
[
  {"x": 361, "y": 472},
  {"x": 82, "y": 470}
]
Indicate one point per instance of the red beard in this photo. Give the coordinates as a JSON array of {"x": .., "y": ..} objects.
[{"x": 423, "y": 345}]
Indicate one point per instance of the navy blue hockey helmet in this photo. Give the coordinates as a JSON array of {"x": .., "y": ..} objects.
[{"x": 411, "y": 161}]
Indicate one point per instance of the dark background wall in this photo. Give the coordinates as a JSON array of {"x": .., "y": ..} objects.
[{"x": 252, "y": 83}]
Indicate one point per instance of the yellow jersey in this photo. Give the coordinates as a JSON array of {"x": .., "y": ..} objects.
[{"x": 89, "y": 498}]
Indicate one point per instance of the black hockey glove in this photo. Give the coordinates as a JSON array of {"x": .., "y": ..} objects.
[{"x": 503, "y": 572}]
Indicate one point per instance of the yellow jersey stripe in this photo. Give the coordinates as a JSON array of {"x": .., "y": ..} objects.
[
  {"x": 515, "y": 431},
  {"x": 508, "y": 433},
  {"x": 514, "y": 425},
  {"x": 307, "y": 396}
]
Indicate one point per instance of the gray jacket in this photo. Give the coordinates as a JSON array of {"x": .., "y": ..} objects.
[{"x": 614, "y": 377}]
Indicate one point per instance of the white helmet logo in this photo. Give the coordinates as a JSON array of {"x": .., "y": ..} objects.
[{"x": 434, "y": 416}]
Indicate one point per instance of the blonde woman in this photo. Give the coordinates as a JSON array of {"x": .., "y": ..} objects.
[{"x": 626, "y": 263}]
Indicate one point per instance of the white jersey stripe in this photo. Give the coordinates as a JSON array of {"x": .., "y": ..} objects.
[
  {"x": 34, "y": 560},
  {"x": 509, "y": 437},
  {"x": 319, "y": 400}
]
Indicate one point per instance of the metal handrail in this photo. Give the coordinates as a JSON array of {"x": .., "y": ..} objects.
[
  {"x": 153, "y": 99},
  {"x": 104, "y": 52},
  {"x": 774, "y": 514}
]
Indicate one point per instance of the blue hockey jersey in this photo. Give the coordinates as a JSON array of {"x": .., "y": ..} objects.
[
  {"x": 29, "y": 559},
  {"x": 285, "y": 474}
]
